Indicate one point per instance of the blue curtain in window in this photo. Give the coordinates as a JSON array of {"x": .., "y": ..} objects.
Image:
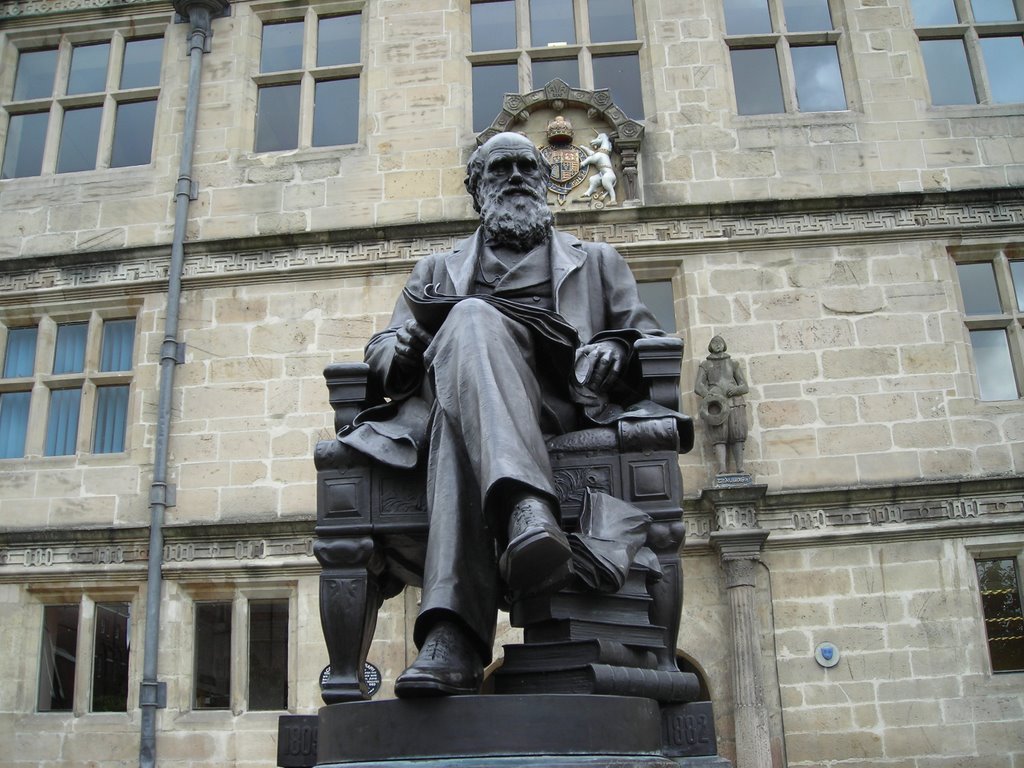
[
  {"x": 118, "y": 341},
  {"x": 62, "y": 425},
  {"x": 13, "y": 423},
  {"x": 69, "y": 353},
  {"x": 20, "y": 358},
  {"x": 111, "y": 416}
]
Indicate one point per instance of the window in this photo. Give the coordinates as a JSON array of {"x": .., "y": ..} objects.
[
  {"x": 784, "y": 56},
  {"x": 65, "y": 387},
  {"x": 521, "y": 45},
  {"x": 658, "y": 297},
  {"x": 308, "y": 82},
  {"x": 993, "y": 299},
  {"x": 973, "y": 50},
  {"x": 82, "y": 105},
  {"x": 262, "y": 632},
  {"x": 97, "y": 632},
  {"x": 999, "y": 584}
]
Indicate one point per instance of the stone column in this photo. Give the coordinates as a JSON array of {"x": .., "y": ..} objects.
[{"x": 739, "y": 541}]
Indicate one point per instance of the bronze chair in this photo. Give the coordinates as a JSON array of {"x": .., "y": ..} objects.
[{"x": 370, "y": 517}]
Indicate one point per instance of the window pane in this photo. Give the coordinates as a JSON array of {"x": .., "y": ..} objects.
[
  {"x": 551, "y": 21},
  {"x": 268, "y": 654},
  {"x": 338, "y": 40},
  {"x": 79, "y": 137},
  {"x": 546, "y": 70},
  {"x": 111, "y": 419},
  {"x": 36, "y": 70},
  {"x": 1004, "y": 621},
  {"x": 993, "y": 10},
  {"x": 23, "y": 155},
  {"x": 133, "y": 134},
  {"x": 931, "y": 13},
  {"x": 110, "y": 658},
  {"x": 819, "y": 83},
  {"x": 978, "y": 287},
  {"x": 494, "y": 25},
  {"x": 1004, "y": 60},
  {"x": 948, "y": 75},
  {"x": 118, "y": 343},
  {"x": 611, "y": 20},
  {"x": 621, "y": 74},
  {"x": 88, "y": 68},
  {"x": 62, "y": 423},
  {"x": 657, "y": 296},
  {"x": 282, "y": 47},
  {"x": 747, "y": 17},
  {"x": 277, "y": 118},
  {"x": 69, "y": 351},
  {"x": 57, "y": 658},
  {"x": 13, "y": 423},
  {"x": 490, "y": 84},
  {"x": 1017, "y": 273},
  {"x": 336, "y": 112},
  {"x": 995, "y": 371},
  {"x": 807, "y": 15},
  {"x": 755, "y": 72},
  {"x": 20, "y": 356},
  {"x": 213, "y": 656},
  {"x": 142, "y": 59}
]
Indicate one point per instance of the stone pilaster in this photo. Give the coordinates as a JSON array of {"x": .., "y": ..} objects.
[{"x": 739, "y": 541}]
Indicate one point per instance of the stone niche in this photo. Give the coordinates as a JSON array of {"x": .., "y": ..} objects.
[{"x": 589, "y": 113}]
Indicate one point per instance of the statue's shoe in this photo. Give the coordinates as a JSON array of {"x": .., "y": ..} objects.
[
  {"x": 538, "y": 555},
  {"x": 447, "y": 665}
]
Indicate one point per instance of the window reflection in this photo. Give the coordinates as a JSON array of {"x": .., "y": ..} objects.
[
  {"x": 611, "y": 20},
  {"x": 23, "y": 154},
  {"x": 338, "y": 41},
  {"x": 490, "y": 84},
  {"x": 552, "y": 21},
  {"x": 949, "y": 78},
  {"x": 79, "y": 139},
  {"x": 88, "y": 68},
  {"x": 277, "y": 118},
  {"x": 546, "y": 70},
  {"x": 1004, "y": 60},
  {"x": 133, "y": 134},
  {"x": 1017, "y": 275},
  {"x": 336, "y": 112},
  {"x": 978, "y": 287},
  {"x": 142, "y": 59},
  {"x": 819, "y": 83},
  {"x": 758, "y": 87},
  {"x": 493, "y": 25},
  {"x": 993, "y": 10},
  {"x": 807, "y": 15},
  {"x": 282, "y": 47},
  {"x": 995, "y": 369},
  {"x": 933, "y": 13},
  {"x": 621, "y": 75},
  {"x": 36, "y": 70},
  {"x": 747, "y": 17}
]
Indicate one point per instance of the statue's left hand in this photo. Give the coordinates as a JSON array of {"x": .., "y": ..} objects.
[{"x": 606, "y": 360}]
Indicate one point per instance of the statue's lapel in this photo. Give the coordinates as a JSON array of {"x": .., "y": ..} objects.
[
  {"x": 461, "y": 262},
  {"x": 566, "y": 258}
]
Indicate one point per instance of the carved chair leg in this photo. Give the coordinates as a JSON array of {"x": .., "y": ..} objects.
[
  {"x": 350, "y": 596},
  {"x": 667, "y": 594}
]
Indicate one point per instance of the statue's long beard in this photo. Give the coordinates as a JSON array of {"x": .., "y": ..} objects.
[{"x": 516, "y": 221}]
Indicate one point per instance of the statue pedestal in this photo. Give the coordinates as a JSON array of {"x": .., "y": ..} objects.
[{"x": 570, "y": 731}]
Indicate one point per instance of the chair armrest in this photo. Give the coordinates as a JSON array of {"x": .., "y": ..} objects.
[
  {"x": 347, "y": 385},
  {"x": 661, "y": 359}
]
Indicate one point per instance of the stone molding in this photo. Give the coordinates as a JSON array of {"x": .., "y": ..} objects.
[
  {"x": 643, "y": 233},
  {"x": 25, "y": 8},
  {"x": 35, "y": 555},
  {"x": 908, "y": 509}
]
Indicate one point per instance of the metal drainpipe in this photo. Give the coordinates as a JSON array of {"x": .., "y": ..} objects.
[{"x": 152, "y": 693}]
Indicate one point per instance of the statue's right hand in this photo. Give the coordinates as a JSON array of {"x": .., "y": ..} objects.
[{"x": 411, "y": 341}]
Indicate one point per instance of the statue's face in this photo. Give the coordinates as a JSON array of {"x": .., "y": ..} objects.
[{"x": 512, "y": 171}]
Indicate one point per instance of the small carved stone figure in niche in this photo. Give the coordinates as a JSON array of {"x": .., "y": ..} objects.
[
  {"x": 721, "y": 386},
  {"x": 520, "y": 333},
  {"x": 604, "y": 177}
]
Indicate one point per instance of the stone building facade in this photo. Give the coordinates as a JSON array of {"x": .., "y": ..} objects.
[{"x": 850, "y": 221}]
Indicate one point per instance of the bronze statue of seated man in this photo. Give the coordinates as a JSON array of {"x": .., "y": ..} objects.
[{"x": 521, "y": 332}]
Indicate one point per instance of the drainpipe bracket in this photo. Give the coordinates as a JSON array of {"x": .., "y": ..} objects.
[
  {"x": 164, "y": 494},
  {"x": 153, "y": 693},
  {"x": 173, "y": 350}
]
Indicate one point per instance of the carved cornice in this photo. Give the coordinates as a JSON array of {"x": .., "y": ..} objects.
[
  {"x": 642, "y": 234},
  {"x": 122, "y": 554},
  {"x": 908, "y": 510},
  {"x": 16, "y": 9}
]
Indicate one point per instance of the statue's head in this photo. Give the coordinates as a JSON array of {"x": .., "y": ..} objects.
[
  {"x": 717, "y": 345},
  {"x": 507, "y": 177}
]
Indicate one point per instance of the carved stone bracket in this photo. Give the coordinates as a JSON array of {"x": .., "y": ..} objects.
[
  {"x": 734, "y": 508},
  {"x": 558, "y": 95}
]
